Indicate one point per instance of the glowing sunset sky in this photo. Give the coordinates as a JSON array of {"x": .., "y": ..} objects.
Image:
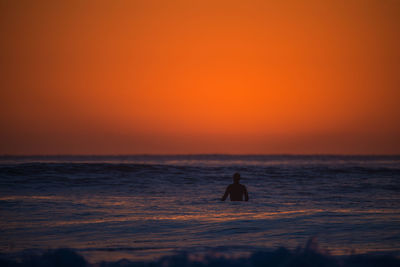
[{"x": 126, "y": 77}]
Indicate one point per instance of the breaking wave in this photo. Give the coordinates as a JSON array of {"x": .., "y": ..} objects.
[{"x": 310, "y": 256}]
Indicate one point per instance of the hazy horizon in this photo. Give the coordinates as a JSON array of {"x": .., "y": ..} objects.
[
  {"x": 229, "y": 77},
  {"x": 197, "y": 154}
]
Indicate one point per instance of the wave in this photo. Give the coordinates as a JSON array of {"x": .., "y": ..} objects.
[
  {"x": 310, "y": 256},
  {"x": 76, "y": 168}
]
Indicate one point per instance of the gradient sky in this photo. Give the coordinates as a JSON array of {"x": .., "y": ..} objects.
[{"x": 126, "y": 77}]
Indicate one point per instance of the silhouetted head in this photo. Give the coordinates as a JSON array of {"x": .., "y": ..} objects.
[{"x": 236, "y": 177}]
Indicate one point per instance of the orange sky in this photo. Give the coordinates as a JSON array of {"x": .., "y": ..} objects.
[{"x": 126, "y": 77}]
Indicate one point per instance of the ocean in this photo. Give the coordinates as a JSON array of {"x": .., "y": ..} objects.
[{"x": 145, "y": 207}]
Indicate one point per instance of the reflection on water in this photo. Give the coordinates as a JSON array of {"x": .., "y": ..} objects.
[{"x": 111, "y": 211}]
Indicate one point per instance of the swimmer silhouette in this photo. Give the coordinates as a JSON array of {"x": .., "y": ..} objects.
[{"x": 236, "y": 190}]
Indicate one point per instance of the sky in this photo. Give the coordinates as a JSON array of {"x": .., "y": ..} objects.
[{"x": 190, "y": 77}]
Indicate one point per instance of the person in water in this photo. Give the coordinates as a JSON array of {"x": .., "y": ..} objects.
[{"x": 236, "y": 191}]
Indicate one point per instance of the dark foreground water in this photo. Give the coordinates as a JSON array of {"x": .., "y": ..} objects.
[{"x": 142, "y": 208}]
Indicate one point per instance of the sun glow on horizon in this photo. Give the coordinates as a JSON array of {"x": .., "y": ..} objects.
[{"x": 170, "y": 77}]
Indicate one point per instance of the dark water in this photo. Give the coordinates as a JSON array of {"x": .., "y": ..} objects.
[{"x": 145, "y": 207}]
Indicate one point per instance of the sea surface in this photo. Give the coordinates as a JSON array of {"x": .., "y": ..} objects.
[{"x": 144, "y": 207}]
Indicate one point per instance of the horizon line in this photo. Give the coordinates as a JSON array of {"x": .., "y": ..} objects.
[{"x": 196, "y": 154}]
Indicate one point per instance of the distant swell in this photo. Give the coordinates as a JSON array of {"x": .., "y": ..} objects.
[{"x": 101, "y": 168}]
